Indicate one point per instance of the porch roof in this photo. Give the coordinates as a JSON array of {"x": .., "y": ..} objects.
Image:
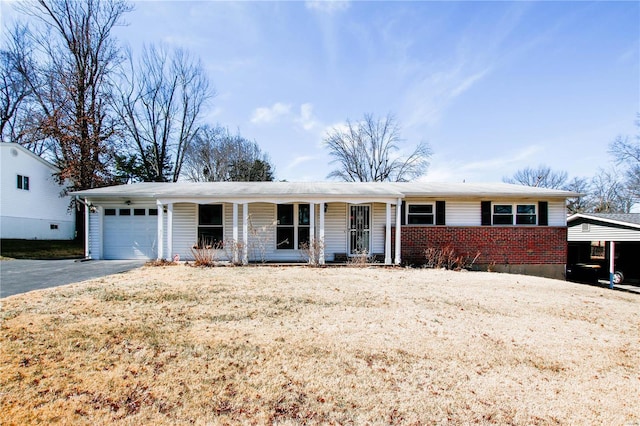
[{"x": 262, "y": 190}]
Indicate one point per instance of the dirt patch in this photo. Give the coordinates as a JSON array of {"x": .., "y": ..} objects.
[{"x": 257, "y": 345}]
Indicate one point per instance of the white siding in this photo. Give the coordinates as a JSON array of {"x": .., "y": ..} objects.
[
  {"x": 557, "y": 213},
  {"x": 95, "y": 233},
  {"x": 185, "y": 229},
  {"x": 462, "y": 213},
  {"x": 335, "y": 230},
  {"x": 378, "y": 227},
  {"x": 601, "y": 233}
]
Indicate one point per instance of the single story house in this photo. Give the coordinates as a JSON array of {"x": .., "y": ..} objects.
[
  {"x": 594, "y": 237},
  {"x": 32, "y": 203},
  {"x": 506, "y": 227}
]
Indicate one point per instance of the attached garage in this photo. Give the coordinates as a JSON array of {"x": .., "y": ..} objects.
[{"x": 130, "y": 233}]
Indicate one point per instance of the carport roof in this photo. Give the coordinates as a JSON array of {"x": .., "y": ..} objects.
[
  {"x": 318, "y": 189},
  {"x": 625, "y": 219}
]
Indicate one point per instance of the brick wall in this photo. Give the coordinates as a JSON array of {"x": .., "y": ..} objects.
[{"x": 540, "y": 245}]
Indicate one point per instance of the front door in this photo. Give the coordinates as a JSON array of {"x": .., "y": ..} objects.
[{"x": 359, "y": 230}]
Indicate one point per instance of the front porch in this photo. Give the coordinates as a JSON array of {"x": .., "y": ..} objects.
[{"x": 284, "y": 230}]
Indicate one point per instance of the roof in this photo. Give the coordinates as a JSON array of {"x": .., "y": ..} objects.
[
  {"x": 179, "y": 190},
  {"x": 625, "y": 219},
  {"x": 18, "y": 147}
]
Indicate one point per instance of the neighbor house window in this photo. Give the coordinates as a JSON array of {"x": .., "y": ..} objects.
[
  {"x": 210, "y": 227},
  {"x": 292, "y": 225},
  {"x": 23, "y": 182},
  {"x": 53, "y": 226},
  {"x": 514, "y": 214},
  {"x": 420, "y": 214}
]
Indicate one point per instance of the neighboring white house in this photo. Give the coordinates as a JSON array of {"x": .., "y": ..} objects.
[
  {"x": 513, "y": 227},
  {"x": 31, "y": 204}
]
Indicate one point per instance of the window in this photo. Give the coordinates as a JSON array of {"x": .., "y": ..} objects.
[
  {"x": 210, "y": 227},
  {"x": 525, "y": 214},
  {"x": 53, "y": 226},
  {"x": 153, "y": 212},
  {"x": 109, "y": 212},
  {"x": 292, "y": 226},
  {"x": 125, "y": 212},
  {"x": 420, "y": 214},
  {"x": 139, "y": 212},
  {"x": 23, "y": 182},
  {"x": 598, "y": 250}
]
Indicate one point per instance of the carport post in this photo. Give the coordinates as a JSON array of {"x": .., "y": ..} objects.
[{"x": 612, "y": 266}]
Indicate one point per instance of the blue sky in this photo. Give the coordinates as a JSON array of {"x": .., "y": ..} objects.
[{"x": 492, "y": 86}]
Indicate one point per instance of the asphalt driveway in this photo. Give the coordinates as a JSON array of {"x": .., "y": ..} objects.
[{"x": 21, "y": 276}]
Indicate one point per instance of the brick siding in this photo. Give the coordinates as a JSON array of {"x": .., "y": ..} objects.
[{"x": 540, "y": 245}]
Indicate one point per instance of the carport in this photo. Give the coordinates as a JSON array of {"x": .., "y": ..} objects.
[{"x": 604, "y": 246}]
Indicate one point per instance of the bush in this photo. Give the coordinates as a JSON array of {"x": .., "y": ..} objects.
[{"x": 447, "y": 258}]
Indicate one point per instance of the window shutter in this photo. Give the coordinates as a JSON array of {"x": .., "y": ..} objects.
[
  {"x": 543, "y": 213},
  {"x": 440, "y": 219},
  {"x": 485, "y": 208},
  {"x": 403, "y": 213}
]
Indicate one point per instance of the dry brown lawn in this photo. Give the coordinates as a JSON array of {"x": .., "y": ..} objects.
[{"x": 297, "y": 345}]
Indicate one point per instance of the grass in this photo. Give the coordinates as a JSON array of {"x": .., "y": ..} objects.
[
  {"x": 41, "y": 249},
  {"x": 265, "y": 345}
]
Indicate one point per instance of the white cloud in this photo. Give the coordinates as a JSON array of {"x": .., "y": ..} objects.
[
  {"x": 491, "y": 169},
  {"x": 299, "y": 160},
  {"x": 307, "y": 120},
  {"x": 270, "y": 114},
  {"x": 327, "y": 6}
]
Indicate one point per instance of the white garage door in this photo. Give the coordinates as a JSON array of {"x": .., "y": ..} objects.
[{"x": 130, "y": 233}]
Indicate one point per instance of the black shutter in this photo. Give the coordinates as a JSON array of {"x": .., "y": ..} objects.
[
  {"x": 403, "y": 216},
  {"x": 440, "y": 219},
  {"x": 485, "y": 208},
  {"x": 543, "y": 213}
]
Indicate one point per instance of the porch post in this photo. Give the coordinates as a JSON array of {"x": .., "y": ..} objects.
[
  {"x": 312, "y": 232},
  {"x": 170, "y": 231},
  {"x": 160, "y": 229},
  {"x": 235, "y": 233},
  {"x": 321, "y": 235},
  {"x": 398, "y": 225},
  {"x": 387, "y": 237},
  {"x": 245, "y": 233},
  {"x": 87, "y": 212},
  {"x": 612, "y": 262}
]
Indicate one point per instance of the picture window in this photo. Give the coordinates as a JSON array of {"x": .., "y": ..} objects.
[
  {"x": 420, "y": 214},
  {"x": 514, "y": 214},
  {"x": 293, "y": 224}
]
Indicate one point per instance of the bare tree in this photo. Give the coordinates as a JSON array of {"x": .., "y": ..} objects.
[
  {"x": 216, "y": 155},
  {"x": 626, "y": 152},
  {"x": 16, "y": 71},
  {"x": 583, "y": 202},
  {"x": 609, "y": 194},
  {"x": 71, "y": 83},
  {"x": 541, "y": 177},
  {"x": 369, "y": 151},
  {"x": 160, "y": 103}
]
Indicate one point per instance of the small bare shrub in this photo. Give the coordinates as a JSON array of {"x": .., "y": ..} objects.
[
  {"x": 360, "y": 259},
  {"x": 206, "y": 252},
  {"x": 310, "y": 251},
  {"x": 260, "y": 239},
  {"x": 232, "y": 247},
  {"x": 447, "y": 258}
]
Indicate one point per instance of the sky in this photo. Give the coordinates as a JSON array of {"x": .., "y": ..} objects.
[{"x": 492, "y": 87}]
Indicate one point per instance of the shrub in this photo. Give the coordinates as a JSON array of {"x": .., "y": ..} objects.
[
  {"x": 448, "y": 258},
  {"x": 310, "y": 251},
  {"x": 206, "y": 253}
]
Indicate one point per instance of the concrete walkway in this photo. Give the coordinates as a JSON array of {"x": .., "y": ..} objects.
[{"x": 21, "y": 276}]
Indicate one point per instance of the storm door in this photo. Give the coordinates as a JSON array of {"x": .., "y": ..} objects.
[{"x": 359, "y": 230}]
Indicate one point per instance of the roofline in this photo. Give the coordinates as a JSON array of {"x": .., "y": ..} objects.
[
  {"x": 601, "y": 219},
  {"x": 32, "y": 154}
]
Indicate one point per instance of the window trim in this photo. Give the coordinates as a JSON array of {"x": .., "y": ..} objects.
[
  {"x": 432, "y": 214},
  {"x": 514, "y": 213},
  {"x": 22, "y": 182},
  {"x": 221, "y": 226},
  {"x": 296, "y": 225}
]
